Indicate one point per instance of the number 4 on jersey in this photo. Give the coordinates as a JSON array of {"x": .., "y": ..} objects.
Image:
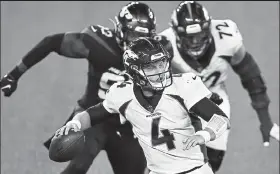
[{"x": 167, "y": 137}]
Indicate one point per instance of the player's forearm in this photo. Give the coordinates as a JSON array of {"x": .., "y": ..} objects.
[
  {"x": 92, "y": 116},
  {"x": 217, "y": 120},
  {"x": 38, "y": 53},
  {"x": 97, "y": 114},
  {"x": 250, "y": 75},
  {"x": 214, "y": 128}
]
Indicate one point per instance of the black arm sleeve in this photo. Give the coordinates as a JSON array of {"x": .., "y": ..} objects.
[
  {"x": 251, "y": 79},
  {"x": 42, "y": 49},
  {"x": 250, "y": 75},
  {"x": 39, "y": 52},
  {"x": 97, "y": 113},
  {"x": 205, "y": 108}
]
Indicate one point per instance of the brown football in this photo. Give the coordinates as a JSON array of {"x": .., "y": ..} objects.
[{"x": 65, "y": 147}]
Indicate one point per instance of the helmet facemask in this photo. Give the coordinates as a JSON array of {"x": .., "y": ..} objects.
[
  {"x": 157, "y": 74},
  {"x": 134, "y": 20},
  {"x": 194, "y": 40},
  {"x": 125, "y": 34},
  {"x": 191, "y": 24},
  {"x": 152, "y": 71}
]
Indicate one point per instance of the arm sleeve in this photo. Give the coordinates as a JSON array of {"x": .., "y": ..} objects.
[{"x": 97, "y": 113}]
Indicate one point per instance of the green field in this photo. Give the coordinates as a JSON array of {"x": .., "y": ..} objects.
[{"x": 47, "y": 93}]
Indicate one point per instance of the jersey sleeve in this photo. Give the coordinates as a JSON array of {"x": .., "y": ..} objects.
[
  {"x": 111, "y": 101},
  {"x": 193, "y": 89},
  {"x": 237, "y": 37},
  {"x": 227, "y": 37},
  {"x": 116, "y": 96}
]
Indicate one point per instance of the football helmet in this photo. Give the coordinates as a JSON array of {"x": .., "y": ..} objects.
[
  {"x": 136, "y": 19},
  {"x": 148, "y": 63},
  {"x": 191, "y": 24}
]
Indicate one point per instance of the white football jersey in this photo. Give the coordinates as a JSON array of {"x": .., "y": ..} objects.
[
  {"x": 161, "y": 131},
  {"x": 227, "y": 41}
]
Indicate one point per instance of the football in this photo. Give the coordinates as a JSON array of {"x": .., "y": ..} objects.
[{"x": 65, "y": 147}]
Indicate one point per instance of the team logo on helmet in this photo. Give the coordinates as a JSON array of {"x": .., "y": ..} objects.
[{"x": 127, "y": 55}]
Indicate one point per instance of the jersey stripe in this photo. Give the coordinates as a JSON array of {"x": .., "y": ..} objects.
[{"x": 124, "y": 107}]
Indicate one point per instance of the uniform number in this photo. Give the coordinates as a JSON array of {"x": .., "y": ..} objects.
[
  {"x": 107, "y": 80},
  {"x": 215, "y": 76},
  {"x": 218, "y": 27},
  {"x": 167, "y": 137},
  {"x": 105, "y": 31}
]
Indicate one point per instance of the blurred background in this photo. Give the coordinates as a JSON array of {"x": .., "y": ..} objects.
[{"x": 47, "y": 93}]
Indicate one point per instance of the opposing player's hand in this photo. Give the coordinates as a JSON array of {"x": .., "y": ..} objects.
[
  {"x": 268, "y": 132},
  {"x": 216, "y": 98},
  {"x": 8, "y": 85},
  {"x": 192, "y": 141}
]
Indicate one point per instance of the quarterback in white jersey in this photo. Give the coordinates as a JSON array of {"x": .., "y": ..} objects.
[
  {"x": 163, "y": 109},
  {"x": 207, "y": 47}
]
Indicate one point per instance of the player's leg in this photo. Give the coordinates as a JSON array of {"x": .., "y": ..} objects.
[
  {"x": 124, "y": 146},
  {"x": 215, "y": 158}
]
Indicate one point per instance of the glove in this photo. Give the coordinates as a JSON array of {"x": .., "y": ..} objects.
[
  {"x": 216, "y": 98},
  {"x": 8, "y": 85}
]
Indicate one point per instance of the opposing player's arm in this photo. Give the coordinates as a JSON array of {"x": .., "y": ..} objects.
[
  {"x": 197, "y": 101},
  {"x": 67, "y": 44}
]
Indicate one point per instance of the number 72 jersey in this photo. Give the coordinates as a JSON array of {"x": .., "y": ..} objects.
[
  {"x": 227, "y": 40},
  {"x": 161, "y": 129}
]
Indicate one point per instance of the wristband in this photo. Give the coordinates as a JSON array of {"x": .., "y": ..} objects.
[{"x": 205, "y": 134}]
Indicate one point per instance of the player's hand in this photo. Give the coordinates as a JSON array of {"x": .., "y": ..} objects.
[
  {"x": 8, "y": 85},
  {"x": 268, "y": 132},
  {"x": 192, "y": 141},
  {"x": 65, "y": 129}
]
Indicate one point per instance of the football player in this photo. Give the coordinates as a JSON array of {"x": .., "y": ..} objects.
[
  {"x": 206, "y": 47},
  {"x": 162, "y": 109},
  {"x": 103, "y": 48}
]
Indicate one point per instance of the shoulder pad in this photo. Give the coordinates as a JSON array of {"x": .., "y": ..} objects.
[
  {"x": 119, "y": 90},
  {"x": 226, "y": 35},
  {"x": 189, "y": 76},
  {"x": 183, "y": 78},
  {"x": 226, "y": 30}
]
